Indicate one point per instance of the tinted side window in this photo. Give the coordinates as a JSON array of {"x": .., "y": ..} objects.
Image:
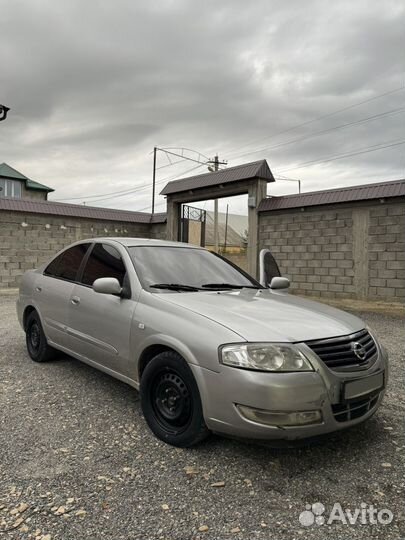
[
  {"x": 104, "y": 261},
  {"x": 67, "y": 264}
]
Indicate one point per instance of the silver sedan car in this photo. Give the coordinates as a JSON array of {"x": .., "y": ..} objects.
[{"x": 209, "y": 348}]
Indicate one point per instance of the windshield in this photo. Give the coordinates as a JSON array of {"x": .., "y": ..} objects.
[{"x": 193, "y": 268}]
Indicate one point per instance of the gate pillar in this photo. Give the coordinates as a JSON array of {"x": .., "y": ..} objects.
[{"x": 173, "y": 220}]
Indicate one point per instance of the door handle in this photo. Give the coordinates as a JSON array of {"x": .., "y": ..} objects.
[
  {"x": 75, "y": 300},
  {"x": 38, "y": 289}
]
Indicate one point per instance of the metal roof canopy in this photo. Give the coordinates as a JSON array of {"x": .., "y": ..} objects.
[
  {"x": 78, "y": 211},
  {"x": 365, "y": 192},
  {"x": 215, "y": 185}
]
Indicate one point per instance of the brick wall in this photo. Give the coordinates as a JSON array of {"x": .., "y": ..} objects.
[
  {"x": 29, "y": 240},
  {"x": 351, "y": 251}
]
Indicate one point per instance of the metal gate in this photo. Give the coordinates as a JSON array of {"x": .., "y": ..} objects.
[{"x": 192, "y": 225}]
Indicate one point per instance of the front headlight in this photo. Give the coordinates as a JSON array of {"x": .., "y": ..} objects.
[{"x": 264, "y": 357}]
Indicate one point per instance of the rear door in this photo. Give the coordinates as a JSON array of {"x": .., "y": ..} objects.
[
  {"x": 53, "y": 290},
  {"x": 100, "y": 324}
]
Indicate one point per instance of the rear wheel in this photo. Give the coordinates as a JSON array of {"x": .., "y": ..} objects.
[
  {"x": 171, "y": 401},
  {"x": 37, "y": 346}
]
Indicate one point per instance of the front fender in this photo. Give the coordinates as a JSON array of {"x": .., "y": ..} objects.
[
  {"x": 195, "y": 337},
  {"x": 171, "y": 342}
]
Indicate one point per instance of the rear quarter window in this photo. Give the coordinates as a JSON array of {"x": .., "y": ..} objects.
[{"x": 67, "y": 264}]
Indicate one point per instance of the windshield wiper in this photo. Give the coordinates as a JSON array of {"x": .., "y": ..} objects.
[
  {"x": 174, "y": 287},
  {"x": 227, "y": 286}
]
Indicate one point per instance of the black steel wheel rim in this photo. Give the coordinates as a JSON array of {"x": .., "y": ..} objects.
[
  {"x": 34, "y": 336},
  {"x": 171, "y": 401}
]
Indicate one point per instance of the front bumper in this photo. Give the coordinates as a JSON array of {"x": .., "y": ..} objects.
[{"x": 320, "y": 390}]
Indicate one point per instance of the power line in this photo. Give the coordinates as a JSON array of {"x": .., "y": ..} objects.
[
  {"x": 392, "y": 112},
  {"x": 307, "y": 122},
  {"x": 147, "y": 207},
  {"x": 139, "y": 188},
  {"x": 142, "y": 186},
  {"x": 183, "y": 148},
  {"x": 146, "y": 186},
  {"x": 284, "y": 179},
  {"x": 167, "y": 150},
  {"x": 94, "y": 196},
  {"x": 126, "y": 191},
  {"x": 169, "y": 164},
  {"x": 181, "y": 155},
  {"x": 169, "y": 153},
  {"x": 365, "y": 150}
]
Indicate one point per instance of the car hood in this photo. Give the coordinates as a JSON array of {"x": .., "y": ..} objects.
[{"x": 268, "y": 315}]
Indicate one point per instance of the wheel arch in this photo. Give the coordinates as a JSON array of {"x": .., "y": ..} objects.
[
  {"x": 27, "y": 312},
  {"x": 156, "y": 344},
  {"x": 149, "y": 353}
]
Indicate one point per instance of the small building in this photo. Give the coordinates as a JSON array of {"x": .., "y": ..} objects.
[
  {"x": 229, "y": 240},
  {"x": 14, "y": 185}
]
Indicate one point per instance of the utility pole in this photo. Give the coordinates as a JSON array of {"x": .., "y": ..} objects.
[
  {"x": 216, "y": 239},
  {"x": 154, "y": 180},
  {"x": 216, "y": 164},
  {"x": 226, "y": 228}
]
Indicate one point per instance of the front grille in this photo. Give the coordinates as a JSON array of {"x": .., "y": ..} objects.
[
  {"x": 339, "y": 353},
  {"x": 344, "y": 412}
]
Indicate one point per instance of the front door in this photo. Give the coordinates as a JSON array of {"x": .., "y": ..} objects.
[
  {"x": 53, "y": 291},
  {"x": 100, "y": 324}
]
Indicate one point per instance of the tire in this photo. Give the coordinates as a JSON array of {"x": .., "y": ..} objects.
[
  {"x": 171, "y": 402},
  {"x": 37, "y": 346}
]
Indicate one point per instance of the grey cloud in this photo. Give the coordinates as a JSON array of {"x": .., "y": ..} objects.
[{"x": 94, "y": 86}]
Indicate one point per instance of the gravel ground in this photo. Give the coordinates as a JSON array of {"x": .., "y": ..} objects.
[{"x": 78, "y": 462}]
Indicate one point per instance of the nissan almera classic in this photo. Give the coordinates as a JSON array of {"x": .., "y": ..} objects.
[{"x": 209, "y": 348}]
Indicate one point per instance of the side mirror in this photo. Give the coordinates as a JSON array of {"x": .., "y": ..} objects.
[
  {"x": 107, "y": 285},
  {"x": 279, "y": 283},
  {"x": 268, "y": 267}
]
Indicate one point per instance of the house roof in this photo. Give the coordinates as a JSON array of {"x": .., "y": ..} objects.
[
  {"x": 381, "y": 190},
  {"x": 8, "y": 172},
  {"x": 76, "y": 210},
  {"x": 256, "y": 169}
]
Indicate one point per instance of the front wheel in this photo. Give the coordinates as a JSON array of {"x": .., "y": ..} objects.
[
  {"x": 37, "y": 346},
  {"x": 171, "y": 401}
]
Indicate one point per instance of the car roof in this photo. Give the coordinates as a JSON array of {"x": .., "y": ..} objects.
[{"x": 133, "y": 242}]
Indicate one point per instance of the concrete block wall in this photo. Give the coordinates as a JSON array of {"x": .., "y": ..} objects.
[
  {"x": 240, "y": 259},
  {"x": 386, "y": 241},
  {"x": 158, "y": 231},
  {"x": 340, "y": 251},
  {"x": 29, "y": 240}
]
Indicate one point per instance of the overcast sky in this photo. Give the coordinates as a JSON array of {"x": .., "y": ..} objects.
[{"x": 93, "y": 86}]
